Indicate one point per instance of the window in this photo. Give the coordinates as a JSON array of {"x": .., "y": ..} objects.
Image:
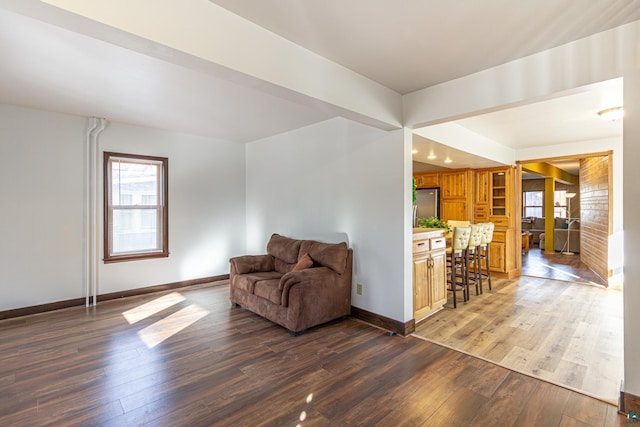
[
  {"x": 532, "y": 203},
  {"x": 560, "y": 204},
  {"x": 136, "y": 210}
]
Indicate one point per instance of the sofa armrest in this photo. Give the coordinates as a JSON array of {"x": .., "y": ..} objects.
[
  {"x": 251, "y": 264},
  {"x": 319, "y": 276}
]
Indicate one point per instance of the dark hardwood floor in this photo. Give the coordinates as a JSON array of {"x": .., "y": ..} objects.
[
  {"x": 557, "y": 266},
  {"x": 188, "y": 358}
]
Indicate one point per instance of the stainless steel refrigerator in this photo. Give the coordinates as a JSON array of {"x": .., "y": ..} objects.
[{"x": 428, "y": 202}]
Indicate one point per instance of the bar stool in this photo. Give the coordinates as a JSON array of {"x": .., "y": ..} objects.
[
  {"x": 457, "y": 263},
  {"x": 475, "y": 241},
  {"x": 483, "y": 253}
]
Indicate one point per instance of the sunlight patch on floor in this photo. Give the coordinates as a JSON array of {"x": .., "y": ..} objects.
[
  {"x": 165, "y": 328},
  {"x": 152, "y": 307},
  {"x": 561, "y": 271}
]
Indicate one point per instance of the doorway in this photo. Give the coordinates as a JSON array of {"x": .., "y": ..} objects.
[{"x": 575, "y": 194}]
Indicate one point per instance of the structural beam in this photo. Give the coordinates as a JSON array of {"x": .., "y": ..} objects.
[{"x": 549, "y": 171}]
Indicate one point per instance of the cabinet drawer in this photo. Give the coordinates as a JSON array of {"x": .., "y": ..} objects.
[
  {"x": 482, "y": 208},
  {"x": 420, "y": 246},
  {"x": 439, "y": 243},
  {"x": 501, "y": 222},
  {"x": 481, "y": 216},
  {"x": 498, "y": 236}
]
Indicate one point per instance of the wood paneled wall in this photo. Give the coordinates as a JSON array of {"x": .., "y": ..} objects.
[{"x": 595, "y": 207}]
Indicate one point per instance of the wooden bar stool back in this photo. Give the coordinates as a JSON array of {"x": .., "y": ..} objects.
[
  {"x": 483, "y": 253},
  {"x": 473, "y": 274},
  {"x": 457, "y": 262}
]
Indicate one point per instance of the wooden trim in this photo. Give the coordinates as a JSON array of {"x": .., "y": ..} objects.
[
  {"x": 568, "y": 157},
  {"x": 158, "y": 288},
  {"x": 383, "y": 322},
  {"x": 164, "y": 193},
  {"x": 42, "y": 308},
  {"x": 628, "y": 402}
]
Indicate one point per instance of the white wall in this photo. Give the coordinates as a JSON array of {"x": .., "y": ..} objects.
[
  {"x": 41, "y": 215},
  {"x": 42, "y": 221},
  {"x": 206, "y": 206},
  {"x": 631, "y": 191},
  {"x": 335, "y": 177}
]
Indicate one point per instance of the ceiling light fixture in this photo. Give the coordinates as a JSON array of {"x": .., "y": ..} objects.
[
  {"x": 612, "y": 114},
  {"x": 431, "y": 156},
  {"x": 414, "y": 151},
  {"x": 448, "y": 160}
]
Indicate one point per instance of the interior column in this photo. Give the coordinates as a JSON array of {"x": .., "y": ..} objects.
[{"x": 549, "y": 192}]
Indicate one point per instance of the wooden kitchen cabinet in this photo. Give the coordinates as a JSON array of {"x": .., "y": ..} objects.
[
  {"x": 481, "y": 196},
  {"x": 456, "y": 195},
  {"x": 427, "y": 180},
  {"x": 481, "y": 187},
  {"x": 454, "y": 210},
  {"x": 497, "y": 251},
  {"x": 503, "y": 251},
  {"x": 484, "y": 195},
  {"x": 501, "y": 193},
  {"x": 429, "y": 272},
  {"x": 454, "y": 184}
]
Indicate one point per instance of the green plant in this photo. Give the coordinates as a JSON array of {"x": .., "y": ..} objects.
[
  {"x": 433, "y": 222},
  {"x": 415, "y": 195}
]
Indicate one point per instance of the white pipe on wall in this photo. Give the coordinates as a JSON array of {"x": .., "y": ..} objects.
[
  {"x": 88, "y": 212},
  {"x": 92, "y": 219}
]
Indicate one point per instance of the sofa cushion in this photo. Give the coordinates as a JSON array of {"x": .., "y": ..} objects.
[
  {"x": 281, "y": 266},
  {"x": 269, "y": 290},
  {"x": 558, "y": 222},
  {"x": 332, "y": 255},
  {"x": 303, "y": 263},
  {"x": 247, "y": 282},
  {"x": 284, "y": 248},
  {"x": 252, "y": 263}
]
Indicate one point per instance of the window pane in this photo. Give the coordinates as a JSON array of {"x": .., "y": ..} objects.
[
  {"x": 533, "y": 198},
  {"x": 134, "y": 184},
  {"x": 135, "y": 230},
  {"x": 532, "y": 203},
  {"x": 533, "y": 211},
  {"x": 560, "y": 203}
]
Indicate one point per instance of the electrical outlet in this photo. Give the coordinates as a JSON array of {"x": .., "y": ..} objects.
[{"x": 359, "y": 289}]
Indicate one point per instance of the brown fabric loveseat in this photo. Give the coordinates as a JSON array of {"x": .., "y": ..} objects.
[{"x": 297, "y": 284}]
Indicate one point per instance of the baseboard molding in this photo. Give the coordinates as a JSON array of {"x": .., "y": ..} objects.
[
  {"x": 43, "y": 308},
  {"x": 628, "y": 402},
  {"x": 402, "y": 328}
]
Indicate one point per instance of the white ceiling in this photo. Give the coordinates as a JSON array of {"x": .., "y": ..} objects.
[
  {"x": 403, "y": 45},
  {"x": 566, "y": 119},
  {"x": 412, "y": 44},
  {"x": 47, "y": 67},
  {"x": 560, "y": 120}
]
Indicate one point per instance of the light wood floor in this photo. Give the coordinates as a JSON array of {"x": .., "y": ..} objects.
[
  {"x": 571, "y": 334},
  {"x": 186, "y": 358}
]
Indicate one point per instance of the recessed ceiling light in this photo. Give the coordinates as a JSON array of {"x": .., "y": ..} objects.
[
  {"x": 448, "y": 160},
  {"x": 431, "y": 156},
  {"x": 414, "y": 151},
  {"x": 612, "y": 114}
]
